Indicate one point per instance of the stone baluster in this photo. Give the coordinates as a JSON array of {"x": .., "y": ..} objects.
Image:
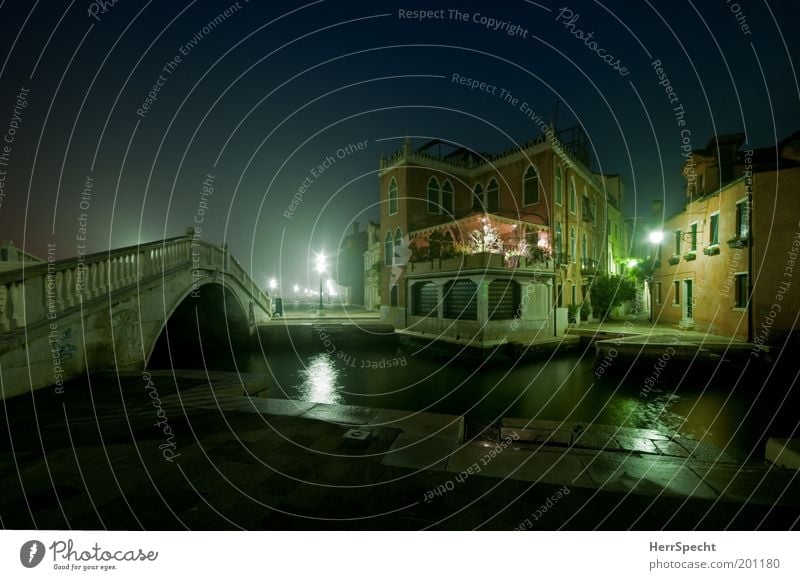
[
  {"x": 100, "y": 278},
  {"x": 69, "y": 288},
  {"x": 95, "y": 278},
  {"x": 127, "y": 271},
  {"x": 16, "y": 309},
  {"x": 59, "y": 291}
]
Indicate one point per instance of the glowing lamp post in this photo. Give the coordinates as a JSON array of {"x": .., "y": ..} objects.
[
  {"x": 320, "y": 267},
  {"x": 273, "y": 284}
]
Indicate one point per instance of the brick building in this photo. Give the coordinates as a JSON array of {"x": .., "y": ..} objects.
[{"x": 478, "y": 246}]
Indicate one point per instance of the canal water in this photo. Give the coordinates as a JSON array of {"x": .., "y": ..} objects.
[{"x": 719, "y": 404}]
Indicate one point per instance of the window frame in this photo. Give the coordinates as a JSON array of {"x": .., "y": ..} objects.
[
  {"x": 693, "y": 231},
  {"x": 388, "y": 248},
  {"x": 450, "y": 208},
  {"x": 573, "y": 244},
  {"x": 437, "y": 196},
  {"x": 489, "y": 189},
  {"x": 713, "y": 240},
  {"x": 525, "y": 180},
  {"x": 393, "y": 200},
  {"x": 573, "y": 197},
  {"x": 741, "y": 219},
  {"x": 740, "y": 302},
  {"x": 676, "y": 292}
]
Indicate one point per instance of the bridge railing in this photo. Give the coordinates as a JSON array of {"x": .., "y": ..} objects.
[{"x": 43, "y": 291}]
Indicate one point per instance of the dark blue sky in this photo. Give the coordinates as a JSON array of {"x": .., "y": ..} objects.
[{"x": 272, "y": 91}]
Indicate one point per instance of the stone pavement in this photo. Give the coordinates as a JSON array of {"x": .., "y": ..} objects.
[{"x": 238, "y": 462}]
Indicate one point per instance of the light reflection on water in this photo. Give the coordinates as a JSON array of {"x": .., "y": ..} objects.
[
  {"x": 319, "y": 380},
  {"x": 564, "y": 388}
]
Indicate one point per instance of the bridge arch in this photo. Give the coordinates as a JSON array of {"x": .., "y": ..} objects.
[{"x": 211, "y": 316}]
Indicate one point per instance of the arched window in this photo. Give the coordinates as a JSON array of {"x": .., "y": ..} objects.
[
  {"x": 393, "y": 196},
  {"x": 559, "y": 242},
  {"x": 584, "y": 248},
  {"x": 447, "y": 198},
  {"x": 477, "y": 197},
  {"x": 434, "y": 203},
  {"x": 594, "y": 211},
  {"x": 559, "y": 185},
  {"x": 492, "y": 195},
  {"x": 572, "y": 244},
  {"x": 573, "y": 197},
  {"x": 388, "y": 250},
  {"x": 530, "y": 187},
  {"x": 399, "y": 258}
]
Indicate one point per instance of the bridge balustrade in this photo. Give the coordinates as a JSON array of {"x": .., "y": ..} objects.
[{"x": 35, "y": 293}]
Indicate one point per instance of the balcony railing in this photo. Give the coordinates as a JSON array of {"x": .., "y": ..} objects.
[
  {"x": 481, "y": 261},
  {"x": 589, "y": 266}
]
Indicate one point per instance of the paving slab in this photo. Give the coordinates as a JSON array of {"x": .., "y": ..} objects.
[
  {"x": 637, "y": 444},
  {"x": 759, "y": 484},
  {"x": 341, "y": 414},
  {"x": 539, "y": 465},
  {"x": 419, "y": 451},
  {"x": 650, "y": 475},
  {"x": 434, "y": 424},
  {"x": 671, "y": 448}
]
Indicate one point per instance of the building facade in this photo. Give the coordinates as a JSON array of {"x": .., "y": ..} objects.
[
  {"x": 727, "y": 260},
  {"x": 481, "y": 246},
  {"x": 373, "y": 259}
]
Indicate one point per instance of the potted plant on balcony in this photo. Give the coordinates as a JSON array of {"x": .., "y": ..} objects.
[
  {"x": 512, "y": 257},
  {"x": 586, "y": 311},
  {"x": 689, "y": 256},
  {"x": 676, "y": 259},
  {"x": 572, "y": 313},
  {"x": 711, "y": 250}
]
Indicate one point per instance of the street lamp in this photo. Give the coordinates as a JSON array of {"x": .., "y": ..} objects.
[
  {"x": 320, "y": 266},
  {"x": 296, "y": 289},
  {"x": 273, "y": 283},
  {"x": 656, "y": 237}
]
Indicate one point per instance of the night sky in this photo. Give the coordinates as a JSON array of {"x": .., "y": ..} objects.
[{"x": 261, "y": 98}]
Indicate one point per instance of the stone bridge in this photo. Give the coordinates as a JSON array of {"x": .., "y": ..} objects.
[{"x": 61, "y": 319}]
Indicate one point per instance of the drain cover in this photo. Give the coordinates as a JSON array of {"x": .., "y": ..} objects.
[{"x": 357, "y": 434}]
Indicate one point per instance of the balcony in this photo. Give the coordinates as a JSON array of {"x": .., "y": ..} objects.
[
  {"x": 711, "y": 250},
  {"x": 480, "y": 261},
  {"x": 589, "y": 267},
  {"x": 587, "y": 214},
  {"x": 561, "y": 259}
]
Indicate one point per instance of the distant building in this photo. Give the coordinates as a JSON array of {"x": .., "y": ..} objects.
[
  {"x": 476, "y": 246},
  {"x": 372, "y": 267},
  {"x": 616, "y": 226},
  {"x": 728, "y": 259},
  {"x": 13, "y": 258},
  {"x": 350, "y": 266}
]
